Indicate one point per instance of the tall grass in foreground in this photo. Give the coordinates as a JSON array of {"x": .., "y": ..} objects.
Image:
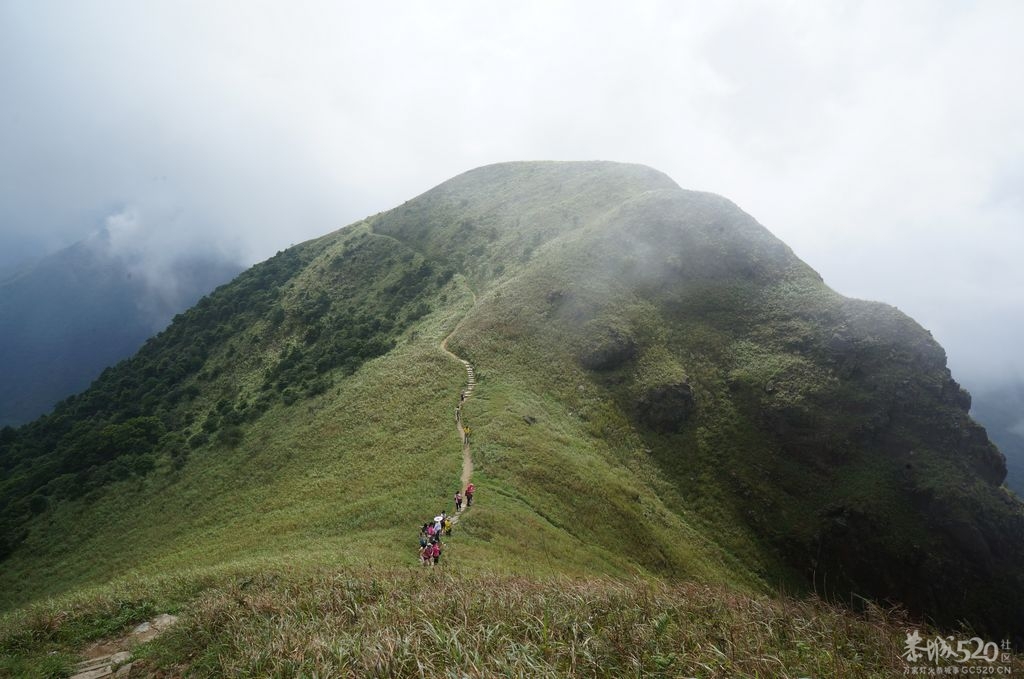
[
  {"x": 434, "y": 623},
  {"x": 286, "y": 621}
]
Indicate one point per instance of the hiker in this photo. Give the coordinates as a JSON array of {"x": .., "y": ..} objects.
[
  {"x": 458, "y": 501},
  {"x": 462, "y": 396},
  {"x": 458, "y": 415},
  {"x": 437, "y": 526},
  {"x": 470, "y": 489},
  {"x": 436, "y": 553},
  {"x": 426, "y": 554},
  {"x": 466, "y": 431},
  {"x": 448, "y": 527}
]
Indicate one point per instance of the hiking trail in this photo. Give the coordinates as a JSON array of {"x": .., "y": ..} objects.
[
  {"x": 113, "y": 657},
  {"x": 467, "y": 458}
]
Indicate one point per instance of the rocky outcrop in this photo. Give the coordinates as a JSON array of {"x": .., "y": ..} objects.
[
  {"x": 666, "y": 408},
  {"x": 607, "y": 348}
]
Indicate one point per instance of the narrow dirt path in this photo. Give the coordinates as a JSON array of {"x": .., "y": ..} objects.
[{"x": 467, "y": 458}]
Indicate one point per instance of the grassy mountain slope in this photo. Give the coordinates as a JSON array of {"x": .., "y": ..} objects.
[
  {"x": 664, "y": 389},
  {"x": 806, "y": 428},
  {"x": 269, "y": 451}
]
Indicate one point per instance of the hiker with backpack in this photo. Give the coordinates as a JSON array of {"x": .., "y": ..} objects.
[
  {"x": 470, "y": 489},
  {"x": 426, "y": 553},
  {"x": 458, "y": 501},
  {"x": 466, "y": 431}
]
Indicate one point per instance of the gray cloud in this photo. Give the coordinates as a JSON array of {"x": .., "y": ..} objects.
[{"x": 882, "y": 141}]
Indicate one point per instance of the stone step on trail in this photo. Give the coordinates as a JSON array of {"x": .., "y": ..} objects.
[
  {"x": 117, "y": 653},
  {"x": 104, "y": 667}
]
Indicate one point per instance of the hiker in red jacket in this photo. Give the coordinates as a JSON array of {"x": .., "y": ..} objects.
[
  {"x": 426, "y": 553},
  {"x": 470, "y": 489}
]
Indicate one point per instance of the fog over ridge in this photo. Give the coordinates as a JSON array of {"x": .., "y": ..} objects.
[{"x": 882, "y": 143}]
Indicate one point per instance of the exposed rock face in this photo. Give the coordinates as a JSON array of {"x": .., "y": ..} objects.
[
  {"x": 666, "y": 408},
  {"x": 607, "y": 349}
]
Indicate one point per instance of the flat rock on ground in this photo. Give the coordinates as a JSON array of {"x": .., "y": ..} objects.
[{"x": 111, "y": 658}]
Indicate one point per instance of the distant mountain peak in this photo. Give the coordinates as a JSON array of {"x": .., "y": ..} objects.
[{"x": 84, "y": 308}]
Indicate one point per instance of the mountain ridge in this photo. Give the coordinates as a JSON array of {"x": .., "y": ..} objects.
[{"x": 663, "y": 387}]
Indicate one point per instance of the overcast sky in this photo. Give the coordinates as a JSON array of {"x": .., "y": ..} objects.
[{"x": 883, "y": 141}]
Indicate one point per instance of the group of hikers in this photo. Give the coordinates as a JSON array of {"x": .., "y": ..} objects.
[
  {"x": 432, "y": 531},
  {"x": 430, "y": 538},
  {"x": 441, "y": 525}
]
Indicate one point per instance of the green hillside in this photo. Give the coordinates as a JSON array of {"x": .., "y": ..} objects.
[{"x": 664, "y": 391}]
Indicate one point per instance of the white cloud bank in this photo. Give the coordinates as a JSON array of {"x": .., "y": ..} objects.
[{"x": 882, "y": 141}]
